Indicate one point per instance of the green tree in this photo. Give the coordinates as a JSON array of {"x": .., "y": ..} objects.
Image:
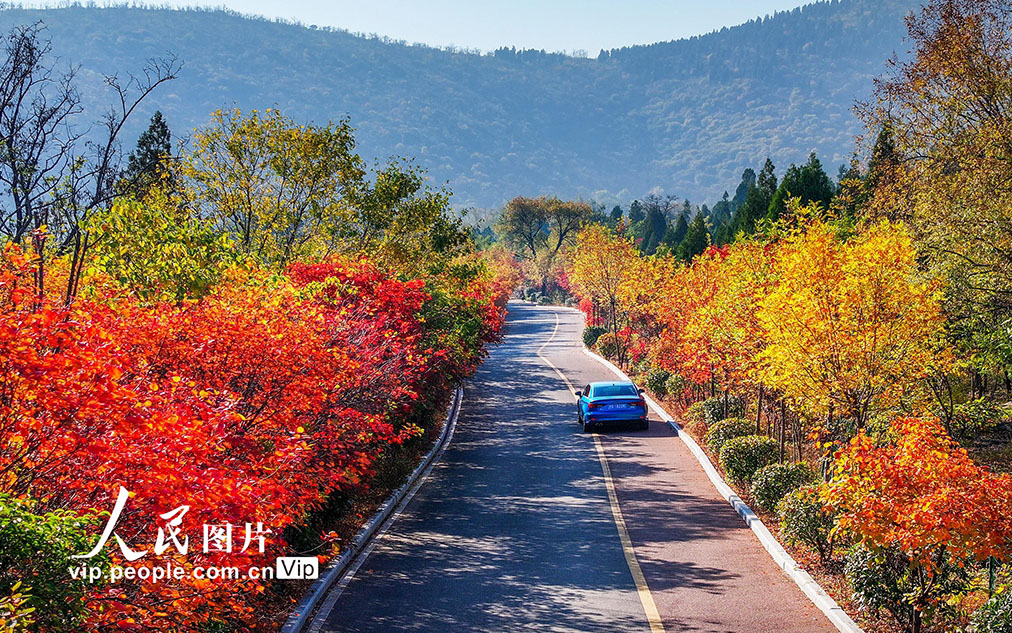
[
  {"x": 537, "y": 229},
  {"x": 883, "y": 167},
  {"x": 722, "y": 233},
  {"x": 636, "y": 213},
  {"x": 653, "y": 229},
  {"x": 697, "y": 238},
  {"x": 748, "y": 180},
  {"x": 757, "y": 201},
  {"x": 616, "y": 213},
  {"x": 676, "y": 232},
  {"x": 275, "y": 187},
  {"x": 149, "y": 162},
  {"x": 809, "y": 182},
  {"x": 721, "y": 212},
  {"x": 158, "y": 249}
]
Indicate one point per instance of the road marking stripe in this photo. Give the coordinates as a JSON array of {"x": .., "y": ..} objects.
[
  {"x": 646, "y": 598},
  {"x": 809, "y": 586}
]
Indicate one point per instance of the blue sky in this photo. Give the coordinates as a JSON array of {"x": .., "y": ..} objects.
[{"x": 553, "y": 25}]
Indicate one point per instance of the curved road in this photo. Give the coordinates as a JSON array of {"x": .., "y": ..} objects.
[{"x": 514, "y": 531}]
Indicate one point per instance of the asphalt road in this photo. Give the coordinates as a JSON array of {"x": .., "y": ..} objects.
[{"x": 513, "y": 530}]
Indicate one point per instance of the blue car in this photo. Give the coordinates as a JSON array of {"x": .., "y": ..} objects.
[{"x": 613, "y": 403}]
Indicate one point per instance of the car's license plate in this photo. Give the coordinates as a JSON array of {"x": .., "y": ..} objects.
[{"x": 616, "y": 407}]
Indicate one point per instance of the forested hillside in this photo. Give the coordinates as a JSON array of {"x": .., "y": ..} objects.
[{"x": 686, "y": 116}]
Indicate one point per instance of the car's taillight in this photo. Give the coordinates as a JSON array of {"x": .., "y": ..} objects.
[
  {"x": 642, "y": 402},
  {"x": 594, "y": 405}
]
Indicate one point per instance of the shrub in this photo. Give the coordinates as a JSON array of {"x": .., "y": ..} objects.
[
  {"x": 695, "y": 413},
  {"x": 715, "y": 409},
  {"x": 772, "y": 482},
  {"x": 675, "y": 386},
  {"x": 544, "y": 300},
  {"x": 885, "y": 579},
  {"x": 977, "y": 416},
  {"x": 608, "y": 345},
  {"x": 16, "y": 616},
  {"x": 592, "y": 333},
  {"x": 995, "y": 615},
  {"x": 720, "y": 432},
  {"x": 741, "y": 457},
  {"x": 692, "y": 419},
  {"x": 804, "y": 520},
  {"x": 657, "y": 381},
  {"x": 36, "y": 549}
]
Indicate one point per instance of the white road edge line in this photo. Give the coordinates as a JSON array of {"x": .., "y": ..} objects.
[
  {"x": 639, "y": 579},
  {"x": 804, "y": 580},
  {"x": 343, "y": 569}
]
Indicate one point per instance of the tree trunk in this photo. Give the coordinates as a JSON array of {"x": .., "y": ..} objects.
[
  {"x": 759, "y": 413},
  {"x": 797, "y": 437},
  {"x": 783, "y": 431}
]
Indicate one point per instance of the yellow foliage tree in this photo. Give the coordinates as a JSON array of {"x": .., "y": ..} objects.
[
  {"x": 849, "y": 326},
  {"x": 271, "y": 184},
  {"x": 285, "y": 192},
  {"x": 600, "y": 265}
]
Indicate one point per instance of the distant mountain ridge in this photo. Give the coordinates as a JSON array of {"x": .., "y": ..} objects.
[{"x": 685, "y": 116}]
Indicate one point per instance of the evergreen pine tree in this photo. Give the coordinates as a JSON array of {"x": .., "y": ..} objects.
[
  {"x": 810, "y": 183},
  {"x": 757, "y": 201},
  {"x": 636, "y": 213},
  {"x": 884, "y": 158},
  {"x": 697, "y": 238},
  {"x": 676, "y": 232},
  {"x": 747, "y": 182},
  {"x": 147, "y": 163}
]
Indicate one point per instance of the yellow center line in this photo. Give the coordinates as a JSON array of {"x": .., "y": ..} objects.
[{"x": 646, "y": 598}]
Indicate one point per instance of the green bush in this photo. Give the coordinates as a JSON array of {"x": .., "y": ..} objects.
[
  {"x": 885, "y": 579},
  {"x": 771, "y": 483},
  {"x": 675, "y": 386},
  {"x": 591, "y": 333},
  {"x": 720, "y": 432},
  {"x": 36, "y": 549},
  {"x": 995, "y": 615},
  {"x": 804, "y": 520},
  {"x": 608, "y": 345},
  {"x": 714, "y": 408},
  {"x": 657, "y": 381},
  {"x": 977, "y": 416},
  {"x": 16, "y": 616},
  {"x": 544, "y": 300},
  {"x": 741, "y": 457}
]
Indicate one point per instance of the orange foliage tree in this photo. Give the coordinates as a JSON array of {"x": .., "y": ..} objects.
[{"x": 921, "y": 494}]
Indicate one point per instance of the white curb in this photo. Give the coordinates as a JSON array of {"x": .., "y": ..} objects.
[
  {"x": 804, "y": 580},
  {"x": 337, "y": 568}
]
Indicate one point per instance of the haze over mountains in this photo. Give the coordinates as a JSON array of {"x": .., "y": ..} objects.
[{"x": 685, "y": 116}]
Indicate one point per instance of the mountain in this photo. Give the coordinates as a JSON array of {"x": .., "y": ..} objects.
[{"x": 685, "y": 116}]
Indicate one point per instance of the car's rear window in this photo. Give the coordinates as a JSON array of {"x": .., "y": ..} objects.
[{"x": 605, "y": 391}]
